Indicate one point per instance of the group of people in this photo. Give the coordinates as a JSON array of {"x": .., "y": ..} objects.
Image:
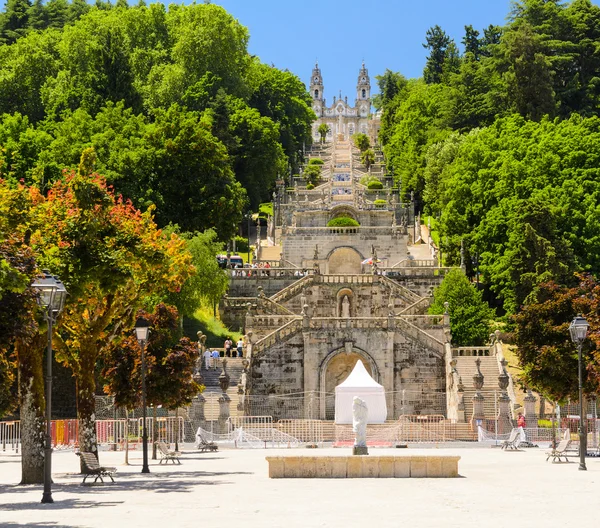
[
  {"x": 212, "y": 357},
  {"x": 262, "y": 270}
]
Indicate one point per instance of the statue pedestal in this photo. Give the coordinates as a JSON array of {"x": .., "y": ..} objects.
[{"x": 360, "y": 450}]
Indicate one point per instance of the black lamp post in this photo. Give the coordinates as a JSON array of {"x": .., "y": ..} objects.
[
  {"x": 249, "y": 216},
  {"x": 578, "y": 329},
  {"x": 142, "y": 329},
  {"x": 51, "y": 298}
]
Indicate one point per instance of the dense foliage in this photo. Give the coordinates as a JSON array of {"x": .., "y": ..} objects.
[
  {"x": 180, "y": 115},
  {"x": 470, "y": 316},
  {"x": 544, "y": 347},
  {"x": 500, "y": 143}
]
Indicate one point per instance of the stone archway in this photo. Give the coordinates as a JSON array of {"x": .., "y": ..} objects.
[
  {"x": 336, "y": 367},
  {"x": 339, "y": 368},
  {"x": 344, "y": 260}
]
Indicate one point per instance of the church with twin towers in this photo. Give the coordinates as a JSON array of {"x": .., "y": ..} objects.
[{"x": 344, "y": 120}]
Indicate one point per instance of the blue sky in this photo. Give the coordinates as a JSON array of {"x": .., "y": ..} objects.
[{"x": 385, "y": 33}]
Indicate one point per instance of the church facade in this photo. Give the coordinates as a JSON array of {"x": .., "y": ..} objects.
[{"x": 343, "y": 119}]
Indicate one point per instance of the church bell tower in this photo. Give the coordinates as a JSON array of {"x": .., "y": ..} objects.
[
  {"x": 363, "y": 92},
  {"x": 316, "y": 90}
]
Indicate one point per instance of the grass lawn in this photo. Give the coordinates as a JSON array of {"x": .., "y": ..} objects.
[{"x": 212, "y": 327}]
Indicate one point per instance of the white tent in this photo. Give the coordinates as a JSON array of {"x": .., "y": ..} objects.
[{"x": 360, "y": 383}]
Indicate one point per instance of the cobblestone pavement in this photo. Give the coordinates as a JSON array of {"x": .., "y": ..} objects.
[{"x": 231, "y": 488}]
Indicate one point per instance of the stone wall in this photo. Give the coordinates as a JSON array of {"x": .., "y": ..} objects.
[
  {"x": 414, "y": 374},
  {"x": 366, "y": 300},
  {"x": 248, "y": 287},
  {"x": 299, "y": 246}
]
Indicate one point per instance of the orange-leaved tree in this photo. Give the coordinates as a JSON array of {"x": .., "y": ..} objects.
[{"x": 110, "y": 257}]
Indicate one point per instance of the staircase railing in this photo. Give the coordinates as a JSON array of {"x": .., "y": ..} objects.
[
  {"x": 292, "y": 290},
  {"x": 401, "y": 290},
  {"x": 419, "y": 335},
  {"x": 277, "y": 336}
]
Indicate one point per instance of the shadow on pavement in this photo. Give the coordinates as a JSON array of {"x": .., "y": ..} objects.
[
  {"x": 60, "y": 504},
  {"x": 45, "y": 524}
]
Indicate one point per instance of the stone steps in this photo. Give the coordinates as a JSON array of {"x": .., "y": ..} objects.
[
  {"x": 489, "y": 368},
  {"x": 235, "y": 368}
]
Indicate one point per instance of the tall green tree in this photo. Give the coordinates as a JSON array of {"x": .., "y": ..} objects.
[
  {"x": 441, "y": 48},
  {"x": 470, "y": 316},
  {"x": 14, "y": 20}
]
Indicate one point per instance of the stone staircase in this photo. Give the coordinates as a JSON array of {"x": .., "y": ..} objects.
[
  {"x": 235, "y": 368},
  {"x": 466, "y": 368}
]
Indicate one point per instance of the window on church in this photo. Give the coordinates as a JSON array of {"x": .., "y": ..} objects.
[
  {"x": 364, "y": 94},
  {"x": 317, "y": 94}
]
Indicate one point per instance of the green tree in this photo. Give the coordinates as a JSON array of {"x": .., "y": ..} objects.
[
  {"x": 361, "y": 141},
  {"x": 209, "y": 282},
  {"x": 439, "y": 45},
  {"x": 472, "y": 42},
  {"x": 282, "y": 97},
  {"x": 367, "y": 158},
  {"x": 312, "y": 174},
  {"x": 14, "y": 21},
  {"x": 323, "y": 130},
  {"x": 470, "y": 316}
]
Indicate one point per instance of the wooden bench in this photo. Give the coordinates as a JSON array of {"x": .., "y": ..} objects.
[
  {"x": 91, "y": 467},
  {"x": 166, "y": 454}
]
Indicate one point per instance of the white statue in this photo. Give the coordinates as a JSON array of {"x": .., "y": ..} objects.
[
  {"x": 360, "y": 413},
  {"x": 345, "y": 307}
]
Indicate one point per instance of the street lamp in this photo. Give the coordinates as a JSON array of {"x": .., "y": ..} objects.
[
  {"x": 51, "y": 298},
  {"x": 142, "y": 329},
  {"x": 578, "y": 329}
]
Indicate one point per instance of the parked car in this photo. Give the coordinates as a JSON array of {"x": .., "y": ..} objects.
[{"x": 235, "y": 260}]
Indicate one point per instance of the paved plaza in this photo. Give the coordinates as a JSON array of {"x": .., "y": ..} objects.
[{"x": 231, "y": 488}]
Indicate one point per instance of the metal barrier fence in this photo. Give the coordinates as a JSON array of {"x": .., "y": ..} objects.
[
  {"x": 10, "y": 435},
  {"x": 64, "y": 433}
]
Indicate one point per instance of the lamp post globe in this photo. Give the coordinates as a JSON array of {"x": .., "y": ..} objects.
[
  {"x": 578, "y": 330},
  {"x": 52, "y": 295},
  {"x": 142, "y": 330}
]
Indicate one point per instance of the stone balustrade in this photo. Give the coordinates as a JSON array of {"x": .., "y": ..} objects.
[
  {"x": 336, "y": 323},
  {"x": 372, "y": 466},
  {"x": 417, "y": 307},
  {"x": 271, "y": 321},
  {"x": 295, "y": 325},
  {"x": 471, "y": 351},
  {"x": 268, "y": 273},
  {"x": 293, "y": 289},
  {"x": 373, "y": 231},
  {"x": 425, "y": 321},
  {"x": 414, "y": 271},
  {"x": 419, "y": 335}
]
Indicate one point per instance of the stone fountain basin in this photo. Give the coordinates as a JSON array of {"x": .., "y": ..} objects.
[{"x": 366, "y": 466}]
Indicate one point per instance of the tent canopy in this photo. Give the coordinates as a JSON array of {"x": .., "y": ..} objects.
[{"x": 360, "y": 383}]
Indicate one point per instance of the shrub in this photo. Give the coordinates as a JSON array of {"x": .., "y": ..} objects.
[
  {"x": 380, "y": 203},
  {"x": 374, "y": 184},
  {"x": 315, "y": 161},
  {"x": 342, "y": 221},
  {"x": 312, "y": 174},
  {"x": 309, "y": 186}
]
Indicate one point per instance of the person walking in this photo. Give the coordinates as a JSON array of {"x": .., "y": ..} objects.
[
  {"x": 227, "y": 346},
  {"x": 240, "y": 348},
  {"x": 215, "y": 359},
  {"x": 207, "y": 358}
]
